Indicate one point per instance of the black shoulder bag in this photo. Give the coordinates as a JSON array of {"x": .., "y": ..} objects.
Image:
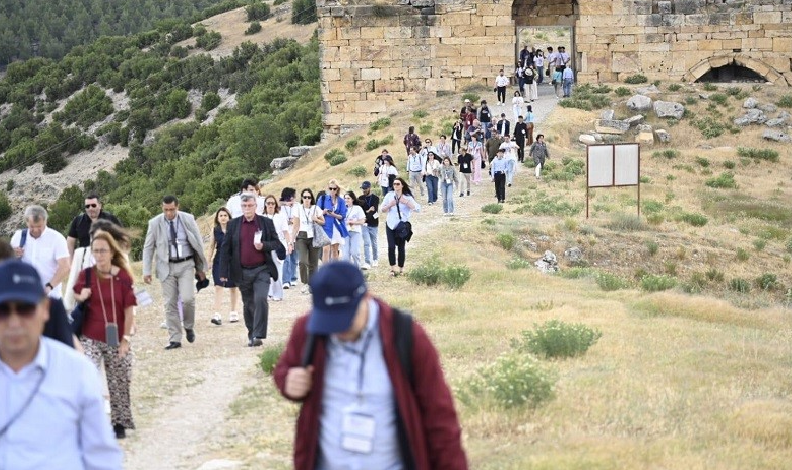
[
  {"x": 77, "y": 316},
  {"x": 403, "y": 229}
]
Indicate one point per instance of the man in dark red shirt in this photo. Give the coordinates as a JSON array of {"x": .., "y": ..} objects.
[
  {"x": 245, "y": 260},
  {"x": 360, "y": 403}
]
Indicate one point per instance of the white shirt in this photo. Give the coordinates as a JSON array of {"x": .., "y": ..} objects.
[
  {"x": 65, "y": 426},
  {"x": 355, "y": 213},
  {"x": 567, "y": 74},
  {"x": 563, "y": 58},
  {"x": 501, "y": 81},
  {"x": 553, "y": 58},
  {"x": 382, "y": 178},
  {"x": 43, "y": 254},
  {"x": 393, "y": 219},
  {"x": 281, "y": 224},
  {"x": 306, "y": 219},
  {"x": 234, "y": 205},
  {"x": 539, "y": 61}
]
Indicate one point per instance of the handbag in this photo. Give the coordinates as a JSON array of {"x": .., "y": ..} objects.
[
  {"x": 77, "y": 315},
  {"x": 320, "y": 238},
  {"x": 483, "y": 164},
  {"x": 403, "y": 229}
]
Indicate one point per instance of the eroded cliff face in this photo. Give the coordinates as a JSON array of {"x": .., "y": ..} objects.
[{"x": 379, "y": 58}]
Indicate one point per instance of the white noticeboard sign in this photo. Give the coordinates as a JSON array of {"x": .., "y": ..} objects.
[{"x": 609, "y": 165}]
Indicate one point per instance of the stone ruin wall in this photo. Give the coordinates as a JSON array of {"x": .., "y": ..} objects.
[{"x": 377, "y": 58}]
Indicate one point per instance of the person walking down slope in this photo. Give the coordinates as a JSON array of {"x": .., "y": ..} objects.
[
  {"x": 358, "y": 408},
  {"x": 221, "y": 219},
  {"x": 448, "y": 178},
  {"x": 398, "y": 205},
  {"x": 499, "y": 167},
  {"x": 539, "y": 153},
  {"x": 501, "y": 82}
]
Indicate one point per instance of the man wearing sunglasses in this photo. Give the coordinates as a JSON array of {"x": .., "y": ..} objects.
[
  {"x": 79, "y": 239},
  {"x": 51, "y": 407}
]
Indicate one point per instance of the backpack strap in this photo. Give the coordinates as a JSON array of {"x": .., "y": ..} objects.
[
  {"x": 403, "y": 339},
  {"x": 23, "y": 238}
]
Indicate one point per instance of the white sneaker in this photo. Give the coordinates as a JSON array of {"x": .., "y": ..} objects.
[
  {"x": 286, "y": 285},
  {"x": 293, "y": 283},
  {"x": 365, "y": 266},
  {"x": 164, "y": 326},
  {"x": 233, "y": 317},
  {"x": 305, "y": 289},
  {"x": 375, "y": 263}
]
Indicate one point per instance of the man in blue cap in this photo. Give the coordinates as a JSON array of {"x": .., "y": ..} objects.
[
  {"x": 51, "y": 406},
  {"x": 365, "y": 404}
]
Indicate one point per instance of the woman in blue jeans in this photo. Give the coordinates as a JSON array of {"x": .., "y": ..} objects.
[
  {"x": 398, "y": 204},
  {"x": 448, "y": 177},
  {"x": 432, "y": 173}
]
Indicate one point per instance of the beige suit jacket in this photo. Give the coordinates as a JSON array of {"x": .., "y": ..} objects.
[{"x": 157, "y": 245}]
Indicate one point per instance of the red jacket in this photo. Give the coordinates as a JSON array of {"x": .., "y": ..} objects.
[{"x": 427, "y": 411}]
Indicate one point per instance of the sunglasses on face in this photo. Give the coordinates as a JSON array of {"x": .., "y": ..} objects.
[
  {"x": 306, "y": 197},
  {"x": 332, "y": 189},
  {"x": 91, "y": 206},
  {"x": 397, "y": 184},
  {"x": 24, "y": 310},
  {"x": 270, "y": 203}
]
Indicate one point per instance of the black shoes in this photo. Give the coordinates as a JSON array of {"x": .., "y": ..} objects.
[
  {"x": 190, "y": 335},
  {"x": 120, "y": 432},
  {"x": 255, "y": 342},
  {"x": 173, "y": 345},
  {"x": 468, "y": 192}
]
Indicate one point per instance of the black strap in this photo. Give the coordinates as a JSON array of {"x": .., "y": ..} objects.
[
  {"x": 19, "y": 412},
  {"x": 23, "y": 238},
  {"x": 403, "y": 339}
]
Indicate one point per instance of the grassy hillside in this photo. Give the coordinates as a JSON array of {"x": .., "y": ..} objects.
[{"x": 691, "y": 368}]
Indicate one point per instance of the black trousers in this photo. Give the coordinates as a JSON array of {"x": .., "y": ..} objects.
[
  {"x": 500, "y": 186},
  {"x": 395, "y": 242},
  {"x": 254, "y": 288},
  {"x": 520, "y": 149},
  {"x": 501, "y": 94}
]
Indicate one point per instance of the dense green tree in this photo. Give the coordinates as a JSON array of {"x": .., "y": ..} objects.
[{"x": 304, "y": 12}]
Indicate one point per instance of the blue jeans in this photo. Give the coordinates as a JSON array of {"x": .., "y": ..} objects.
[
  {"x": 431, "y": 187},
  {"x": 510, "y": 167},
  {"x": 540, "y": 74},
  {"x": 448, "y": 197},
  {"x": 567, "y": 87},
  {"x": 370, "y": 243},
  {"x": 352, "y": 248},
  {"x": 384, "y": 190},
  {"x": 290, "y": 265},
  {"x": 485, "y": 126}
]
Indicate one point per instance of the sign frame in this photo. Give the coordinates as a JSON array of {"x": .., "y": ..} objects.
[{"x": 610, "y": 155}]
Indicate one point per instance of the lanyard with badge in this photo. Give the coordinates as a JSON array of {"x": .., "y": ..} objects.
[
  {"x": 375, "y": 215},
  {"x": 358, "y": 424}
]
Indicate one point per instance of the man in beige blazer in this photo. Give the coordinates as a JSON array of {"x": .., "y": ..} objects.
[{"x": 174, "y": 238}]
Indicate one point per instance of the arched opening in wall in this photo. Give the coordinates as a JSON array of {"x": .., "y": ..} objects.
[
  {"x": 545, "y": 23},
  {"x": 731, "y": 73}
]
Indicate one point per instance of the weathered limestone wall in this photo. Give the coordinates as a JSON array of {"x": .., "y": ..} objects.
[
  {"x": 682, "y": 39},
  {"x": 384, "y": 57}
]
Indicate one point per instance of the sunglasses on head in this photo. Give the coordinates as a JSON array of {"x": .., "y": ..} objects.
[
  {"x": 23, "y": 309},
  {"x": 91, "y": 206}
]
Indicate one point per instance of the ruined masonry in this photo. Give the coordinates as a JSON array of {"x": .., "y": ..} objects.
[{"x": 387, "y": 56}]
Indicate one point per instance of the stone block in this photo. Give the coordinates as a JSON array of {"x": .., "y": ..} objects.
[
  {"x": 440, "y": 84},
  {"x": 348, "y": 33},
  {"x": 611, "y": 127},
  {"x": 782, "y": 45},
  {"x": 375, "y": 106},
  {"x": 331, "y": 74},
  {"x": 625, "y": 62},
  {"x": 645, "y": 138},
  {"x": 456, "y": 19},
  {"x": 419, "y": 72},
  {"x": 372, "y": 33},
  {"x": 389, "y": 86},
  {"x": 668, "y": 109},
  {"x": 662, "y": 136},
  {"x": 399, "y": 32},
  {"x": 376, "y": 51},
  {"x": 766, "y": 17},
  {"x": 370, "y": 74}
]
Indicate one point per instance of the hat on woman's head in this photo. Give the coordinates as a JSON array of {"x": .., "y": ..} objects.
[{"x": 337, "y": 289}]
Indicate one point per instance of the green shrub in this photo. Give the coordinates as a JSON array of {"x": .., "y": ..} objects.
[
  {"x": 506, "y": 241},
  {"x": 724, "y": 180},
  {"x": 518, "y": 263},
  {"x": 380, "y": 123},
  {"x": 767, "y": 281},
  {"x": 645, "y": 179},
  {"x": 513, "y": 380},
  {"x": 373, "y": 144},
  {"x": 719, "y": 98},
  {"x": 492, "y": 209},
  {"x": 690, "y": 101},
  {"x": 333, "y": 154},
  {"x": 303, "y": 12},
  {"x": 338, "y": 159},
  {"x": 733, "y": 91},
  {"x": 556, "y": 339},
  {"x": 208, "y": 41},
  {"x": 729, "y": 165},
  {"x": 269, "y": 357},
  {"x": 254, "y": 28},
  {"x": 710, "y": 87},
  {"x": 789, "y": 246},
  {"x": 626, "y": 223},
  {"x": 710, "y": 127},
  {"x": 576, "y": 273},
  {"x": 426, "y": 128},
  {"x": 696, "y": 220},
  {"x": 785, "y": 101},
  {"x": 5, "y": 207},
  {"x": 576, "y": 103},
  {"x": 759, "y": 244},
  {"x": 649, "y": 206},
  {"x": 655, "y": 283},
  {"x": 352, "y": 144},
  {"x": 655, "y": 218},
  {"x": 652, "y": 247},
  {"x": 714, "y": 275},
  {"x": 740, "y": 285},
  {"x": 358, "y": 171},
  {"x": 610, "y": 282},
  {"x": 622, "y": 91},
  {"x": 10, "y": 185},
  {"x": 636, "y": 79},
  {"x": 674, "y": 87},
  {"x": 473, "y": 97},
  {"x": 743, "y": 255},
  {"x": 420, "y": 113},
  {"x": 758, "y": 154},
  {"x": 257, "y": 11},
  {"x": 703, "y": 162},
  {"x": 432, "y": 272}
]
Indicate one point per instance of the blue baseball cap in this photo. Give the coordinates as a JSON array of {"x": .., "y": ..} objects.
[
  {"x": 365, "y": 185},
  {"x": 337, "y": 289},
  {"x": 20, "y": 282}
]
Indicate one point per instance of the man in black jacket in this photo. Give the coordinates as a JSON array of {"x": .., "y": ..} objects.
[
  {"x": 369, "y": 202},
  {"x": 246, "y": 260},
  {"x": 520, "y": 133}
]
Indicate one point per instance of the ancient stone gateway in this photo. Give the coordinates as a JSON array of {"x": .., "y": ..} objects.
[{"x": 388, "y": 55}]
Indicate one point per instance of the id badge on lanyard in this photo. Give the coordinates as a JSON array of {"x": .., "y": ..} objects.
[{"x": 357, "y": 429}]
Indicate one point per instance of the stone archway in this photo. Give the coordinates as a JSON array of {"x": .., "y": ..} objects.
[
  {"x": 540, "y": 14},
  {"x": 761, "y": 68}
]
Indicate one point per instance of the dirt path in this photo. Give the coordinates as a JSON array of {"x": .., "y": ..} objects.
[{"x": 182, "y": 399}]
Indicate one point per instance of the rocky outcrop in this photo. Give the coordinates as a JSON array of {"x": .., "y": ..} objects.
[
  {"x": 639, "y": 103},
  {"x": 776, "y": 136},
  {"x": 669, "y": 109},
  {"x": 752, "y": 116}
]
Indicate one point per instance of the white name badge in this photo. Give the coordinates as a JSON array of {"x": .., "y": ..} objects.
[
  {"x": 465, "y": 166},
  {"x": 179, "y": 250},
  {"x": 448, "y": 181},
  {"x": 357, "y": 432},
  {"x": 143, "y": 298},
  {"x": 375, "y": 215}
]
